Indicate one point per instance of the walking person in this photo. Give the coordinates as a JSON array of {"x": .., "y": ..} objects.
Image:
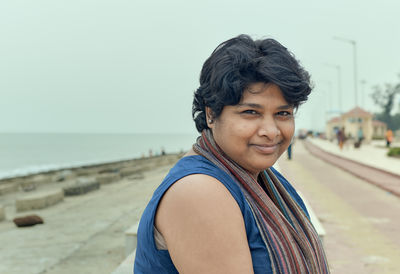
[
  {"x": 341, "y": 137},
  {"x": 389, "y": 137},
  {"x": 360, "y": 138},
  {"x": 290, "y": 150}
]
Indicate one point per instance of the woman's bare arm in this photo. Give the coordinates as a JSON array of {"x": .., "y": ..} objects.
[{"x": 203, "y": 227}]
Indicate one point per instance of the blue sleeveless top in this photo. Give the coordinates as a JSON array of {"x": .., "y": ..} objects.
[{"x": 150, "y": 260}]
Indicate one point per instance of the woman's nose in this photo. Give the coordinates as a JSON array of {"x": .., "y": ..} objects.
[{"x": 269, "y": 129}]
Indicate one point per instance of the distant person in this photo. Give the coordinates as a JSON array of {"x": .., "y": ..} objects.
[
  {"x": 341, "y": 137},
  {"x": 223, "y": 208},
  {"x": 289, "y": 151},
  {"x": 389, "y": 137},
  {"x": 360, "y": 138},
  {"x": 335, "y": 133}
]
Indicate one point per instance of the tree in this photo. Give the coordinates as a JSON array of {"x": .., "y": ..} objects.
[{"x": 385, "y": 97}]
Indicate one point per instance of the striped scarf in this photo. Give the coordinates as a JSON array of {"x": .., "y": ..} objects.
[{"x": 291, "y": 240}]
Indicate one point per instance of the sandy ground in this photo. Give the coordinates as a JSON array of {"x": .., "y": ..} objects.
[{"x": 82, "y": 234}]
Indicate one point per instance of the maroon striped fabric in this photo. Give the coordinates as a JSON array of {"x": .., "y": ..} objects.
[{"x": 291, "y": 240}]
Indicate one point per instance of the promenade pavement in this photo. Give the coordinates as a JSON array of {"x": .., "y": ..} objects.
[
  {"x": 370, "y": 164},
  {"x": 361, "y": 221},
  {"x": 83, "y": 234},
  {"x": 373, "y": 154}
]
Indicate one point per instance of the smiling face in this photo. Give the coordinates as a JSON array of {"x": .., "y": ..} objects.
[{"x": 255, "y": 132}]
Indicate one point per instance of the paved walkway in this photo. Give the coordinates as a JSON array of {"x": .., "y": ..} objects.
[
  {"x": 373, "y": 154},
  {"x": 384, "y": 179},
  {"x": 361, "y": 220},
  {"x": 83, "y": 234}
]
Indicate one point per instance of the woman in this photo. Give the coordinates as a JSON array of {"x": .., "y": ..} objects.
[{"x": 223, "y": 208}]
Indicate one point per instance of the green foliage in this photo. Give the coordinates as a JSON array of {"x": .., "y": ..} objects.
[
  {"x": 394, "y": 152},
  {"x": 385, "y": 97},
  {"x": 396, "y": 121},
  {"x": 392, "y": 121}
]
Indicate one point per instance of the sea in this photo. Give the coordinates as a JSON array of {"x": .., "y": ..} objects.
[{"x": 30, "y": 153}]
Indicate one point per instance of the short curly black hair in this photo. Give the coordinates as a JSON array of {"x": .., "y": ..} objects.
[{"x": 241, "y": 61}]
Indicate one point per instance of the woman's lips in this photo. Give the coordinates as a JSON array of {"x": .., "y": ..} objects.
[{"x": 266, "y": 149}]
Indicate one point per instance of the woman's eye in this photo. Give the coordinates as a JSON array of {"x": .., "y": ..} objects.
[
  {"x": 284, "y": 113},
  {"x": 250, "y": 111}
]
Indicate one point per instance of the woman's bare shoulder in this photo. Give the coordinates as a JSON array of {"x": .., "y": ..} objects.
[
  {"x": 196, "y": 192},
  {"x": 199, "y": 214}
]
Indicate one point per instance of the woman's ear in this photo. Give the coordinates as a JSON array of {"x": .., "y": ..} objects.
[{"x": 209, "y": 117}]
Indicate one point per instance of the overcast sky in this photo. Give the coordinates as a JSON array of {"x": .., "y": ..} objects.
[{"x": 132, "y": 66}]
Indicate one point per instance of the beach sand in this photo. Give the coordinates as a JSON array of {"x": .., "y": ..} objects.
[{"x": 84, "y": 233}]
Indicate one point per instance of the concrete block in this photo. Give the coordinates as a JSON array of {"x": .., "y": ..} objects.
[
  {"x": 131, "y": 239},
  {"x": 28, "y": 185},
  {"x": 2, "y": 213},
  {"x": 39, "y": 200},
  {"x": 63, "y": 175},
  {"x": 107, "y": 178},
  {"x": 86, "y": 171},
  {"x": 109, "y": 169},
  {"x": 136, "y": 176},
  {"x": 32, "y": 183},
  {"x": 8, "y": 188},
  {"x": 81, "y": 186},
  {"x": 42, "y": 179},
  {"x": 127, "y": 171}
]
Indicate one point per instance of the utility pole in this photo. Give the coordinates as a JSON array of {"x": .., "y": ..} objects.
[
  {"x": 354, "y": 44},
  {"x": 339, "y": 84},
  {"x": 363, "y": 82}
]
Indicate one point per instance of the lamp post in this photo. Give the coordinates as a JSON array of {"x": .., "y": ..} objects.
[
  {"x": 354, "y": 44},
  {"x": 339, "y": 78},
  {"x": 328, "y": 99},
  {"x": 363, "y": 82}
]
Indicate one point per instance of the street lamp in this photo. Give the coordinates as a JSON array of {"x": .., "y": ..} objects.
[
  {"x": 329, "y": 96},
  {"x": 363, "y": 82},
  {"x": 354, "y": 44},
  {"x": 328, "y": 99},
  {"x": 338, "y": 69}
]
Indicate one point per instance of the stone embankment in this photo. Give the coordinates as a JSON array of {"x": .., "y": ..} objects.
[
  {"x": 39, "y": 191},
  {"x": 80, "y": 233}
]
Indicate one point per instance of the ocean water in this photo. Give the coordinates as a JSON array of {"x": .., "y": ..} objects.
[{"x": 29, "y": 153}]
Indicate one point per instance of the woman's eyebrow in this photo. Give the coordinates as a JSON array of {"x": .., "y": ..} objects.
[
  {"x": 285, "y": 106},
  {"x": 251, "y": 105},
  {"x": 254, "y": 105}
]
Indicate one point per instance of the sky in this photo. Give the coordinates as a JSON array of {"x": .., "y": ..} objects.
[{"x": 132, "y": 66}]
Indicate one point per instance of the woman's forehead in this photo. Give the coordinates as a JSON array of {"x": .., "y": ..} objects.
[
  {"x": 262, "y": 90},
  {"x": 258, "y": 87}
]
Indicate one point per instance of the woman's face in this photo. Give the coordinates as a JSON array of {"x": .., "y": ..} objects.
[{"x": 255, "y": 132}]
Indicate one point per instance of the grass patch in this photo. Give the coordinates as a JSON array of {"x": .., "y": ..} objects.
[{"x": 394, "y": 152}]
